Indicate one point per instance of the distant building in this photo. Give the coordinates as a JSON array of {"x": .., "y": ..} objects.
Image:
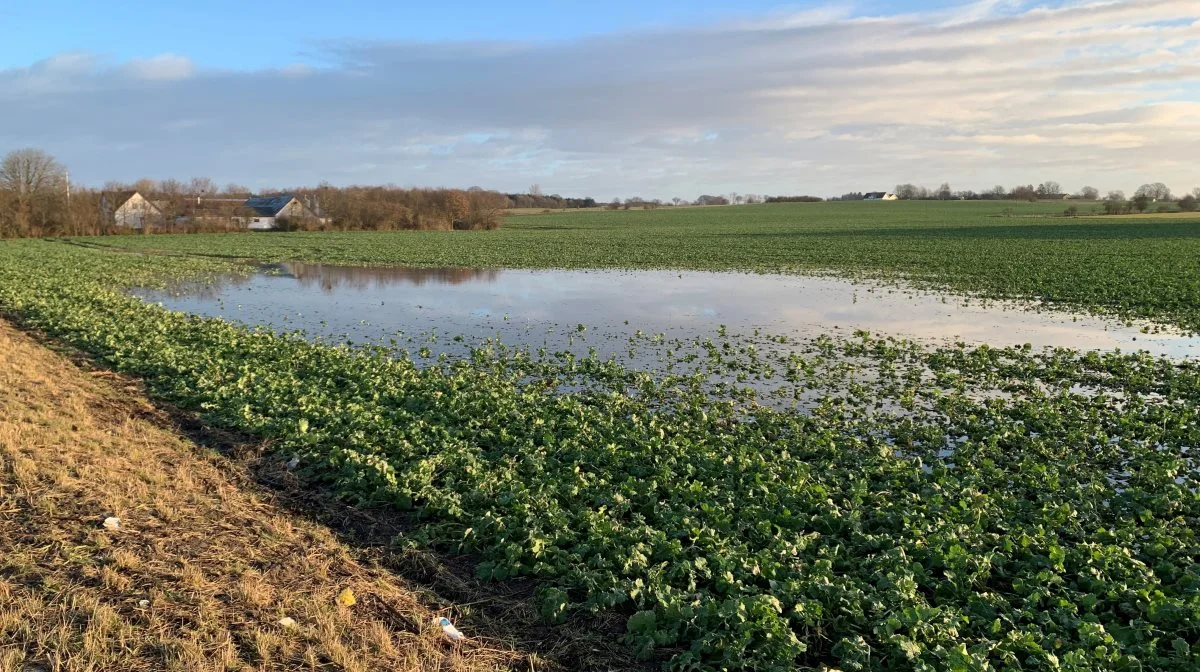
[
  {"x": 879, "y": 196},
  {"x": 267, "y": 212},
  {"x": 257, "y": 213},
  {"x": 130, "y": 209},
  {"x": 212, "y": 213}
]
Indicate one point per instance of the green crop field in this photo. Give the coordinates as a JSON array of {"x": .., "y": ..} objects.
[
  {"x": 930, "y": 508},
  {"x": 1136, "y": 267}
]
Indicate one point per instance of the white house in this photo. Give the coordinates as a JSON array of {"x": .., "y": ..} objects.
[
  {"x": 267, "y": 211},
  {"x": 130, "y": 209},
  {"x": 879, "y": 196}
]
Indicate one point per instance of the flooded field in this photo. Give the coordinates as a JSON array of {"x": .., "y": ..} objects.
[
  {"x": 745, "y": 468},
  {"x": 602, "y": 309}
]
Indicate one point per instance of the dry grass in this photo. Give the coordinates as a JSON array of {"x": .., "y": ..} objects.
[{"x": 203, "y": 568}]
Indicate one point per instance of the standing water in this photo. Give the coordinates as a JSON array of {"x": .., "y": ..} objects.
[{"x": 560, "y": 309}]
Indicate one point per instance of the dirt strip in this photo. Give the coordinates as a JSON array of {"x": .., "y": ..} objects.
[{"x": 201, "y": 572}]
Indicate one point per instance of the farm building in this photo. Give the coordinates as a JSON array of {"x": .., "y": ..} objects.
[
  {"x": 879, "y": 196},
  {"x": 269, "y": 211},
  {"x": 258, "y": 213},
  {"x": 227, "y": 213},
  {"x": 130, "y": 209}
]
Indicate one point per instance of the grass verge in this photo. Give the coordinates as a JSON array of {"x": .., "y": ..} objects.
[{"x": 202, "y": 569}]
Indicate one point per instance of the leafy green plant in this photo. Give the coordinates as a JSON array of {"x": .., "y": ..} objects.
[{"x": 923, "y": 508}]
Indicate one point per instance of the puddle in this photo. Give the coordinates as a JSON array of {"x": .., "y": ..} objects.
[{"x": 544, "y": 308}]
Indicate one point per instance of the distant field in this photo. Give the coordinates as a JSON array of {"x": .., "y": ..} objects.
[{"x": 1146, "y": 266}]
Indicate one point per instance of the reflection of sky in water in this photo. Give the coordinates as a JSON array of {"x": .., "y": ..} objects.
[{"x": 538, "y": 307}]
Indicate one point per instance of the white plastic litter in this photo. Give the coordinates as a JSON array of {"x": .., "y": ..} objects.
[
  {"x": 287, "y": 622},
  {"x": 449, "y": 630},
  {"x": 293, "y": 463},
  {"x": 143, "y": 603},
  {"x": 112, "y": 523}
]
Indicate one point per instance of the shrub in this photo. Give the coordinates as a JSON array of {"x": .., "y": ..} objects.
[{"x": 1115, "y": 207}]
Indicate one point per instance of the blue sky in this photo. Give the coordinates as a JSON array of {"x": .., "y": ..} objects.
[
  {"x": 614, "y": 99},
  {"x": 266, "y": 33}
]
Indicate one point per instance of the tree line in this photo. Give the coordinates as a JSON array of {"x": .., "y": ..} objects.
[
  {"x": 37, "y": 199},
  {"x": 1156, "y": 192}
]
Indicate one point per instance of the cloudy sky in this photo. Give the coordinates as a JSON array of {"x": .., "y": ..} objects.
[{"x": 620, "y": 98}]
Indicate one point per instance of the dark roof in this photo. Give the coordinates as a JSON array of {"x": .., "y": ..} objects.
[
  {"x": 875, "y": 194},
  {"x": 268, "y": 206}
]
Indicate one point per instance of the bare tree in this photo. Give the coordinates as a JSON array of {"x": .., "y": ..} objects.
[
  {"x": 943, "y": 192},
  {"x": 1049, "y": 188},
  {"x": 1089, "y": 193},
  {"x": 33, "y": 177},
  {"x": 1024, "y": 193},
  {"x": 201, "y": 186},
  {"x": 535, "y": 190},
  {"x": 1155, "y": 192},
  {"x": 168, "y": 187}
]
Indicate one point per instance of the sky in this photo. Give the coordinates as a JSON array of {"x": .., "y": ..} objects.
[{"x": 622, "y": 98}]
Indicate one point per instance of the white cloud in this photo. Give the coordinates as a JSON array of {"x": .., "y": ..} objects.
[
  {"x": 1105, "y": 93},
  {"x": 162, "y": 67}
]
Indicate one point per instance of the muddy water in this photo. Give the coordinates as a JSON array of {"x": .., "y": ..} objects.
[{"x": 572, "y": 309}]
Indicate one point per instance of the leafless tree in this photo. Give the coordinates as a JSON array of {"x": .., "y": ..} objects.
[
  {"x": 1155, "y": 192},
  {"x": 1089, "y": 193},
  {"x": 1049, "y": 188},
  {"x": 201, "y": 186},
  {"x": 34, "y": 179},
  {"x": 1024, "y": 193},
  {"x": 168, "y": 187}
]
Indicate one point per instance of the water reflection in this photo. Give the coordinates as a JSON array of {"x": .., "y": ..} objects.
[
  {"x": 544, "y": 307},
  {"x": 330, "y": 278}
]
